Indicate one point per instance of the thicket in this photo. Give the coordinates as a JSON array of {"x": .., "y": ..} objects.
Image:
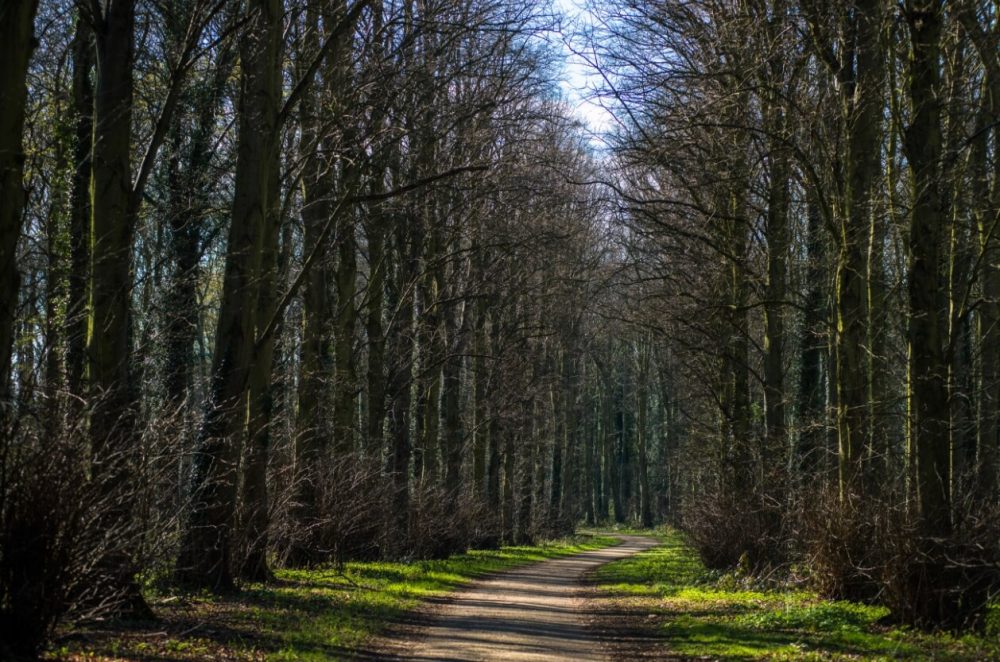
[{"x": 809, "y": 197}]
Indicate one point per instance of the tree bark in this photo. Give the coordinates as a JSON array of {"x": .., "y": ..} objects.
[
  {"x": 480, "y": 425},
  {"x": 987, "y": 198},
  {"x": 642, "y": 432},
  {"x": 253, "y": 566},
  {"x": 313, "y": 433},
  {"x": 457, "y": 327},
  {"x": 774, "y": 338},
  {"x": 17, "y": 41},
  {"x": 408, "y": 240},
  {"x": 345, "y": 320},
  {"x": 923, "y": 145},
  {"x": 374, "y": 325},
  {"x": 109, "y": 343},
  {"x": 812, "y": 397},
  {"x": 205, "y": 558},
  {"x": 80, "y": 212},
  {"x": 862, "y": 102}
]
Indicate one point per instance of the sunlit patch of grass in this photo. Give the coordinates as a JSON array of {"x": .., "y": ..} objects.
[
  {"x": 347, "y": 606},
  {"x": 317, "y": 614},
  {"x": 703, "y": 614}
]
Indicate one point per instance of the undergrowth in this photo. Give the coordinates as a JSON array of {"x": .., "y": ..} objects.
[
  {"x": 728, "y": 616},
  {"x": 316, "y": 614}
]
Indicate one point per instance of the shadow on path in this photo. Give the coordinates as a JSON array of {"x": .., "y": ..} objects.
[{"x": 538, "y": 612}]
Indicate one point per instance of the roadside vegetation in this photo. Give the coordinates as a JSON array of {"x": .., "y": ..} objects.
[
  {"x": 708, "y": 615},
  {"x": 316, "y": 614}
]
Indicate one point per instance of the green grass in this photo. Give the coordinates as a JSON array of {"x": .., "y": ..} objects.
[
  {"x": 307, "y": 614},
  {"x": 345, "y": 609},
  {"x": 699, "y": 613}
]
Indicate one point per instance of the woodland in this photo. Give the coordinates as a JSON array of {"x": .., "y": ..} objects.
[{"x": 290, "y": 283}]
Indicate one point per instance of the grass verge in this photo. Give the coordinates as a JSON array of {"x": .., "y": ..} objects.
[
  {"x": 320, "y": 614},
  {"x": 698, "y": 614}
]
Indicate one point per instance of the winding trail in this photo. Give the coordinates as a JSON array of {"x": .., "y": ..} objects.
[{"x": 531, "y": 613}]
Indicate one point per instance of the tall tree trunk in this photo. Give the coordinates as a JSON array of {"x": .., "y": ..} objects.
[
  {"x": 988, "y": 330},
  {"x": 591, "y": 464},
  {"x": 812, "y": 396},
  {"x": 557, "y": 399},
  {"x": 345, "y": 320},
  {"x": 507, "y": 514},
  {"x": 862, "y": 100},
  {"x": 312, "y": 431},
  {"x": 923, "y": 145},
  {"x": 496, "y": 435},
  {"x": 17, "y": 42},
  {"x": 642, "y": 432},
  {"x": 374, "y": 325},
  {"x": 987, "y": 215},
  {"x": 454, "y": 433},
  {"x": 958, "y": 263},
  {"x": 80, "y": 212},
  {"x": 776, "y": 232},
  {"x": 433, "y": 349},
  {"x": 572, "y": 480},
  {"x": 615, "y": 440},
  {"x": 607, "y": 441},
  {"x": 668, "y": 442},
  {"x": 57, "y": 269},
  {"x": 408, "y": 240},
  {"x": 205, "y": 558},
  {"x": 881, "y": 398},
  {"x": 774, "y": 335},
  {"x": 525, "y": 531},
  {"x": 735, "y": 368},
  {"x": 109, "y": 344},
  {"x": 188, "y": 208},
  {"x": 480, "y": 425},
  {"x": 493, "y": 461},
  {"x": 254, "y": 498}
]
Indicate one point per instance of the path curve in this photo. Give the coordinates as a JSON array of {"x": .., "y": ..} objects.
[{"x": 531, "y": 613}]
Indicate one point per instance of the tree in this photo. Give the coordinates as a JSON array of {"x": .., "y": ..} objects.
[
  {"x": 923, "y": 146},
  {"x": 17, "y": 19},
  {"x": 205, "y": 558}
]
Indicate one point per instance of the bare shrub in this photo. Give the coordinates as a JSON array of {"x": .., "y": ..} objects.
[
  {"x": 484, "y": 525},
  {"x": 941, "y": 583},
  {"x": 729, "y": 531},
  {"x": 873, "y": 549},
  {"x": 439, "y": 526},
  {"x": 350, "y": 519},
  {"x": 63, "y": 543},
  {"x": 44, "y": 519},
  {"x": 837, "y": 536},
  {"x": 740, "y": 522}
]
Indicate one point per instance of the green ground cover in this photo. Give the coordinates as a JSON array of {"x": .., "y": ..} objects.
[
  {"x": 708, "y": 616},
  {"x": 307, "y": 614}
]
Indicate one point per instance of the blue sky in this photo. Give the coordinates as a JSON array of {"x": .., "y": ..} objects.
[{"x": 580, "y": 79}]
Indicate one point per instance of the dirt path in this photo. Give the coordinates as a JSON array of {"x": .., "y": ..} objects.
[{"x": 532, "y": 613}]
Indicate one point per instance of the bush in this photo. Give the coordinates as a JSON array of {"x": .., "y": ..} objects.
[
  {"x": 872, "y": 549},
  {"x": 74, "y": 540},
  {"x": 42, "y": 528},
  {"x": 350, "y": 518},
  {"x": 742, "y": 526},
  {"x": 941, "y": 583},
  {"x": 836, "y": 539}
]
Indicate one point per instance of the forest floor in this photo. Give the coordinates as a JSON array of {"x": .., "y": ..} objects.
[
  {"x": 322, "y": 614},
  {"x": 663, "y": 604},
  {"x": 532, "y": 613},
  {"x": 582, "y": 598}
]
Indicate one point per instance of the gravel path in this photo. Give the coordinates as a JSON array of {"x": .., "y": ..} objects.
[{"x": 531, "y": 613}]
